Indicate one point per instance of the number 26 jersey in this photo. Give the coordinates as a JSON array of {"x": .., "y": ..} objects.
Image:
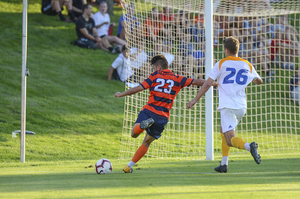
[
  {"x": 234, "y": 74},
  {"x": 164, "y": 86}
]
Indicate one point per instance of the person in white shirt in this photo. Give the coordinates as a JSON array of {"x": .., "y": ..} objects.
[
  {"x": 102, "y": 23},
  {"x": 122, "y": 65},
  {"x": 234, "y": 74}
]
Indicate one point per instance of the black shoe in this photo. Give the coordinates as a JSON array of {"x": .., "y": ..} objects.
[
  {"x": 221, "y": 169},
  {"x": 146, "y": 123},
  {"x": 254, "y": 153}
]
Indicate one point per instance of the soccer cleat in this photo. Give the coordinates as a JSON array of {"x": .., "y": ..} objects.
[
  {"x": 146, "y": 123},
  {"x": 254, "y": 153},
  {"x": 221, "y": 169},
  {"x": 127, "y": 169}
]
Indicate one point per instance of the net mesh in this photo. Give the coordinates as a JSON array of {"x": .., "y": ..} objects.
[{"x": 268, "y": 33}]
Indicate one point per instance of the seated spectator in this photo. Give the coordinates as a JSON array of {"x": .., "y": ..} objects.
[
  {"x": 186, "y": 46},
  {"x": 102, "y": 23},
  {"x": 77, "y": 7},
  {"x": 294, "y": 87},
  {"x": 129, "y": 18},
  {"x": 225, "y": 28},
  {"x": 167, "y": 17},
  {"x": 152, "y": 26},
  {"x": 87, "y": 33},
  {"x": 120, "y": 69},
  {"x": 248, "y": 50},
  {"x": 284, "y": 50},
  {"x": 54, "y": 7}
]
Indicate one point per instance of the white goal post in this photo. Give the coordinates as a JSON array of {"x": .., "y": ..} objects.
[{"x": 268, "y": 31}]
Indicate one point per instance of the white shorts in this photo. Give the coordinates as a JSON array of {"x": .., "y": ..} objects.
[{"x": 230, "y": 118}]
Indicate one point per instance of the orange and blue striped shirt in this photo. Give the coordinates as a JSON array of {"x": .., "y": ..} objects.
[{"x": 164, "y": 86}]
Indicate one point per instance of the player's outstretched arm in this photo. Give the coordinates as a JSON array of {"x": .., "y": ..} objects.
[
  {"x": 208, "y": 83},
  {"x": 200, "y": 82},
  {"x": 129, "y": 91},
  {"x": 257, "y": 81}
]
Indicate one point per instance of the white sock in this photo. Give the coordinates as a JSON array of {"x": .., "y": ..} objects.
[
  {"x": 130, "y": 164},
  {"x": 224, "y": 160},
  {"x": 247, "y": 146}
]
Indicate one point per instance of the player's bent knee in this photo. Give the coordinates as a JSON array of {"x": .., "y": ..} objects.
[{"x": 134, "y": 135}]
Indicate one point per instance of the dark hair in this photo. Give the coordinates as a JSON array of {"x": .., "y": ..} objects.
[
  {"x": 160, "y": 60},
  {"x": 85, "y": 6},
  {"x": 123, "y": 48},
  {"x": 232, "y": 44}
]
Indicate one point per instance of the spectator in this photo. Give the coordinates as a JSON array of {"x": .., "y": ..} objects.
[
  {"x": 102, "y": 23},
  {"x": 294, "y": 87},
  {"x": 153, "y": 27},
  {"x": 284, "y": 50},
  {"x": 167, "y": 17},
  {"x": 120, "y": 69},
  {"x": 225, "y": 28},
  {"x": 54, "y": 7},
  {"x": 77, "y": 7},
  {"x": 87, "y": 33},
  {"x": 249, "y": 51},
  {"x": 129, "y": 18}
]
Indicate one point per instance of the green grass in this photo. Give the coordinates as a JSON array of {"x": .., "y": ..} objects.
[
  {"x": 68, "y": 96},
  {"x": 274, "y": 178}
]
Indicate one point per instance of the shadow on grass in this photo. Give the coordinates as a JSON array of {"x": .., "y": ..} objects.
[{"x": 159, "y": 174}]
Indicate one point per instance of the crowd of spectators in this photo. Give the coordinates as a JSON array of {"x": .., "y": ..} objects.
[{"x": 179, "y": 35}]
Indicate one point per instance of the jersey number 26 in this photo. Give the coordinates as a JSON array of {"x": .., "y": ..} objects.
[{"x": 241, "y": 77}]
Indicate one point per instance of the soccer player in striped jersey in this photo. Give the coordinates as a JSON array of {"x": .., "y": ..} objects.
[
  {"x": 234, "y": 74},
  {"x": 164, "y": 85}
]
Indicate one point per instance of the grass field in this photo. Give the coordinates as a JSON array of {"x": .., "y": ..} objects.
[
  {"x": 71, "y": 108},
  {"x": 274, "y": 178}
]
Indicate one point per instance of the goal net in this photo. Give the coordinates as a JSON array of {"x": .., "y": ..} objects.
[{"x": 268, "y": 31}]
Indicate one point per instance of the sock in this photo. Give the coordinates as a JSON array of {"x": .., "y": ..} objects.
[
  {"x": 238, "y": 142},
  {"x": 61, "y": 16},
  {"x": 225, "y": 147},
  {"x": 130, "y": 164},
  {"x": 224, "y": 160},
  {"x": 247, "y": 146},
  {"x": 137, "y": 129},
  {"x": 139, "y": 153}
]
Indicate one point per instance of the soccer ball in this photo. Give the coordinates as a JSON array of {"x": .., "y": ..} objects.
[{"x": 103, "y": 166}]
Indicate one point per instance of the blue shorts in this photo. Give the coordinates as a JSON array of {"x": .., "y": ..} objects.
[{"x": 157, "y": 127}]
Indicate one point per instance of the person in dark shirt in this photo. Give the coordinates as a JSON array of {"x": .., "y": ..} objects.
[
  {"x": 77, "y": 7},
  {"x": 87, "y": 33}
]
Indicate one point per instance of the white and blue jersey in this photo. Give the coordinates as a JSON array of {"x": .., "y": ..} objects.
[{"x": 234, "y": 74}]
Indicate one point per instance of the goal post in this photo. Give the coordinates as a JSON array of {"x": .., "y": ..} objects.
[{"x": 268, "y": 31}]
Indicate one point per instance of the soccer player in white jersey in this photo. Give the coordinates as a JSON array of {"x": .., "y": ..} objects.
[{"x": 233, "y": 74}]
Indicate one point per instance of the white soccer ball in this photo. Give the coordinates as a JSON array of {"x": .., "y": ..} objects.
[{"x": 103, "y": 166}]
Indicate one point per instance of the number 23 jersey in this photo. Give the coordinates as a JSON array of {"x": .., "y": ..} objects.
[
  {"x": 234, "y": 74},
  {"x": 164, "y": 86}
]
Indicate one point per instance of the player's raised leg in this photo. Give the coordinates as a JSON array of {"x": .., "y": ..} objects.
[
  {"x": 142, "y": 150},
  {"x": 140, "y": 127},
  {"x": 240, "y": 143}
]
